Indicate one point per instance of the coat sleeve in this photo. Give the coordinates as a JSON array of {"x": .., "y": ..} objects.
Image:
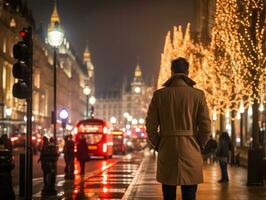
[
  {"x": 152, "y": 123},
  {"x": 203, "y": 122}
]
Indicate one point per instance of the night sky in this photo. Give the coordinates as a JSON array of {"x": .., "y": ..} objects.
[{"x": 117, "y": 31}]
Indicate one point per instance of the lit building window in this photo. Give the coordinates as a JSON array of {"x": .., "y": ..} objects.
[
  {"x": 4, "y": 78},
  {"x": 12, "y": 23},
  {"x": 37, "y": 79},
  {"x": 4, "y": 46}
]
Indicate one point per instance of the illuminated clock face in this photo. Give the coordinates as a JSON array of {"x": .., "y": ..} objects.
[{"x": 137, "y": 90}]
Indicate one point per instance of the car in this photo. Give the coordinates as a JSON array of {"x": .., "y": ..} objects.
[{"x": 18, "y": 139}]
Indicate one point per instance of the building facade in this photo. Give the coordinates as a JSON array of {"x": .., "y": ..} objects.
[
  {"x": 129, "y": 105},
  {"x": 71, "y": 74}
]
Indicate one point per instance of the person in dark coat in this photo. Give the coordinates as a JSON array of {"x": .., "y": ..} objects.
[
  {"x": 44, "y": 164},
  {"x": 49, "y": 156},
  {"x": 82, "y": 153},
  {"x": 6, "y": 166},
  {"x": 7, "y": 142},
  {"x": 210, "y": 149},
  {"x": 69, "y": 156},
  {"x": 222, "y": 154}
]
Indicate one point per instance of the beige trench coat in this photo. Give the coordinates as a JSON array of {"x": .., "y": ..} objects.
[{"x": 178, "y": 120}]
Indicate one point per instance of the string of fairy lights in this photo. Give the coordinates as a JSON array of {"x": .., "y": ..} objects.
[{"x": 232, "y": 68}]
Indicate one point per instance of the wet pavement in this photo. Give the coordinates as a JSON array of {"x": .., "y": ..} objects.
[
  {"x": 108, "y": 184},
  {"x": 109, "y": 180},
  {"x": 147, "y": 188}
]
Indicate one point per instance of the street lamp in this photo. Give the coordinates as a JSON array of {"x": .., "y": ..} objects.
[
  {"x": 8, "y": 112},
  {"x": 141, "y": 121},
  {"x": 129, "y": 118},
  {"x": 55, "y": 39},
  {"x": 241, "y": 110},
  {"x": 87, "y": 92},
  {"x": 113, "y": 120},
  {"x": 134, "y": 121},
  {"x": 92, "y": 101}
]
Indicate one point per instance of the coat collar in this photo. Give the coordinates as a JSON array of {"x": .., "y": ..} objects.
[{"x": 178, "y": 79}]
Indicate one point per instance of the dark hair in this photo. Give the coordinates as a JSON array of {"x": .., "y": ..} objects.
[
  {"x": 180, "y": 65},
  {"x": 224, "y": 136}
]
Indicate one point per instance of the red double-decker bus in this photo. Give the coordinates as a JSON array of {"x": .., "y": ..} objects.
[
  {"x": 118, "y": 139},
  {"x": 98, "y": 135}
]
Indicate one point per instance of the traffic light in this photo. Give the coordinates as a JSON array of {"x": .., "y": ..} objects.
[{"x": 22, "y": 70}]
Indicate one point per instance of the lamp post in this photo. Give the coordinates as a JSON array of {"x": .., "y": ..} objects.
[
  {"x": 55, "y": 39},
  {"x": 113, "y": 120},
  {"x": 87, "y": 92},
  {"x": 92, "y": 101},
  {"x": 241, "y": 110}
]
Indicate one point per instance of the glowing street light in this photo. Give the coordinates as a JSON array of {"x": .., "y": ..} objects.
[
  {"x": 113, "y": 120},
  {"x": 129, "y": 118},
  {"x": 8, "y": 112},
  {"x": 134, "y": 121},
  {"x": 125, "y": 114},
  {"x": 92, "y": 100},
  {"x": 141, "y": 121}
]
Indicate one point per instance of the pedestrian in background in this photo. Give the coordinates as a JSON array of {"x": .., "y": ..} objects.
[
  {"x": 49, "y": 156},
  {"x": 82, "y": 153},
  {"x": 180, "y": 112},
  {"x": 210, "y": 149},
  {"x": 69, "y": 156},
  {"x": 6, "y": 166},
  {"x": 44, "y": 164},
  {"x": 222, "y": 154},
  {"x": 7, "y": 143}
]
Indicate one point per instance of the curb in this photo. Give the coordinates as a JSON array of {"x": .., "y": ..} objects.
[{"x": 134, "y": 182}]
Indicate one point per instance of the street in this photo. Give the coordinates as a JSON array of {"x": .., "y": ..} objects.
[
  {"x": 133, "y": 176},
  {"x": 91, "y": 165}
]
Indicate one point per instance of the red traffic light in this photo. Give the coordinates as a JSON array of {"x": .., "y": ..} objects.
[{"x": 22, "y": 33}]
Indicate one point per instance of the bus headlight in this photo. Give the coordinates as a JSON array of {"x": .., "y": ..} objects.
[{"x": 104, "y": 147}]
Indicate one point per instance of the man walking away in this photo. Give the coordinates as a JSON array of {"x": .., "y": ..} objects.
[
  {"x": 181, "y": 114},
  {"x": 69, "y": 156},
  {"x": 82, "y": 153}
]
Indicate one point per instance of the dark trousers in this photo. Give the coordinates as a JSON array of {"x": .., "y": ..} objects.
[
  {"x": 6, "y": 188},
  {"x": 45, "y": 182},
  {"x": 69, "y": 168},
  {"x": 188, "y": 192},
  {"x": 224, "y": 173},
  {"x": 82, "y": 166}
]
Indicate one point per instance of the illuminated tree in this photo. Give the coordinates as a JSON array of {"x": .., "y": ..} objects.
[{"x": 252, "y": 37}]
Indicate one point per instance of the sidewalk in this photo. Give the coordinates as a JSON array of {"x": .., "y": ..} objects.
[{"x": 144, "y": 186}]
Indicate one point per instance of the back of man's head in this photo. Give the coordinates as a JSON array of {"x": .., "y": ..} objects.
[{"x": 180, "y": 65}]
